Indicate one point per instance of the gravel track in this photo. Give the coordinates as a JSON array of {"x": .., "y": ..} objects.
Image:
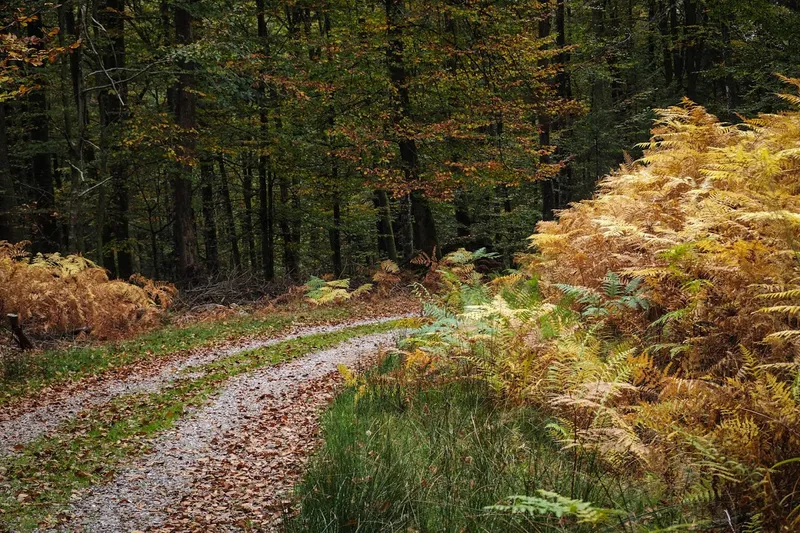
[
  {"x": 27, "y": 426},
  {"x": 142, "y": 495}
]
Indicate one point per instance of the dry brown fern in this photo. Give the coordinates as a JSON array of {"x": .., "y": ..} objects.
[{"x": 56, "y": 294}]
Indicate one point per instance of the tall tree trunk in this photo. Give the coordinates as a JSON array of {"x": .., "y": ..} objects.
[
  {"x": 291, "y": 261},
  {"x": 546, "y": 185},
  {"x": 66, "y": 21},
  {"x": 265, "y": 212},
  {"x": 185, "y": 104},
  {"x": 230, "y": 220},
  {"x": 731, "y": 93},
  {"x": 112, "y": 103},
  {"x": 691, "y": 37},
  {"x": 663, "y": 30},
  {"x": 386, "y": 241},
  {"x": 424, "y": 227},
  {"x": 677, "y": 52},
  {"x": 565, "y": 177},
  {"x": 209, "y": 216},
  {"x": 265, "y": 173},
  {"x": 46, "y": 237},
  {"x": 335, "y": 233},
  {"x": 247, "y": 193},
  {"x": 8, "y": 198}
]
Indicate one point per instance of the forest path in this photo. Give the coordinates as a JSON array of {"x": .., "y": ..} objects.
[
  {"x": 37, "y": 416},
  {"x": 230, "y": 464}
]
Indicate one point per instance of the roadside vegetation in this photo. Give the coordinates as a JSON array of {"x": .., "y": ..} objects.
[{"x": 640, "y": 368}]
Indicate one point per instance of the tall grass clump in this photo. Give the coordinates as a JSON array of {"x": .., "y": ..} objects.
[{"x": 437, "y": 458}]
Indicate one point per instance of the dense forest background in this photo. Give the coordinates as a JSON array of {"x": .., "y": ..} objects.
[{"x": 193, "y": 139}]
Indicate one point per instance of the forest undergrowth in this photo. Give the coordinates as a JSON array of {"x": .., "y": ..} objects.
[{"x": 639, "y": 371}]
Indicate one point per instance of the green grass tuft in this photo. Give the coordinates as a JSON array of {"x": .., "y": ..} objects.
[{"x": 433, "y": 459}]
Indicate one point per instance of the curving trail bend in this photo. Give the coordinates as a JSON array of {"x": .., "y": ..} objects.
[{"x": 230, "y": 464}]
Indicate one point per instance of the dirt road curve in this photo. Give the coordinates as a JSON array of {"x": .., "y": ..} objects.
[{"x": 231, "y": 464}]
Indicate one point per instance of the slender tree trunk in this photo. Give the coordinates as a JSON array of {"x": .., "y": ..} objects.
[
  {"x": 185, "y": 104},
  {"x": 66, "y": 20},
  {"x": 691, "y": 37},
  {"x": 677, "y": 52},
  {"x": 334, "y": 234},
  {"x": 265, "y": 171},
  {"x": 113, "y": 101},
  {"x": 209, "y": 216},
  {"x": 421, "y": 219},
  {"x": 565, "y": 177},
  {"x": 8, "y": 198},
  {"x": 546, "y": 185},
  {"x": 265, "y": 210},
  {"x": 731, "y": 93},
  {"x": 230, "y": 220},
  {"x": 666, "y": 54},
  {"x": 291, "y": 261},
  {"x": 386, "y": 242},
  {"x": 46, "y": 236},
  {"x": 247, "y": 192}
]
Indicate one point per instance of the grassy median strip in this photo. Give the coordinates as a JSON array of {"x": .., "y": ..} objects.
[
  {"x": 30, "y": 373},
  {"x": 87, "y": 450}
]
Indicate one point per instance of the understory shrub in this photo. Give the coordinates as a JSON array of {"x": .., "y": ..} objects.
[
  {"x": 656, "y": 324},
  {"x": 54, "y": 294}
]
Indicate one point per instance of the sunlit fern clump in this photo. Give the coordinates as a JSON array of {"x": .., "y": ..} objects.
[
  {"x": 319, "y": 291},
  {"x": 54, "y": 294},
  {"x": 658, "y": 322}
]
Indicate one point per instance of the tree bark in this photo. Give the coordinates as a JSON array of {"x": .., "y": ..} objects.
[
  {"x": 424, "y": 224},
  {"x": 230, "y": 220},
  {"x": 386, "y": 241},
  {"x": 663, "y": 30},
  {"x": 335, "y": 232},
  {"x": 546, "y": 185},
  {"x": 185, "y": 104},
  {"x": 112, "y": 101},
  {"x": 46, "y": 237},
  {"x": 265, "y": 172},
  {"x": 66, "y": 21},
  {"x": 8, "y": 197},
  {"x": 691, "y": 36},
  {"x": 565, "y": 177},
  {"x": 677, "y": 53},
  {"x": 247, "y": 193},
  {"x": 209, "y": 216},
  {"x": 291, "y": 263},
  {"x": 421, "y": 219},
  {"x": 265, "y": 216}
]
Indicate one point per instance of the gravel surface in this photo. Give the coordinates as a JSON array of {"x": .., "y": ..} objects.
[
  {"x": 141, "y": 496},
  {"x": 26, "y": 426}
]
